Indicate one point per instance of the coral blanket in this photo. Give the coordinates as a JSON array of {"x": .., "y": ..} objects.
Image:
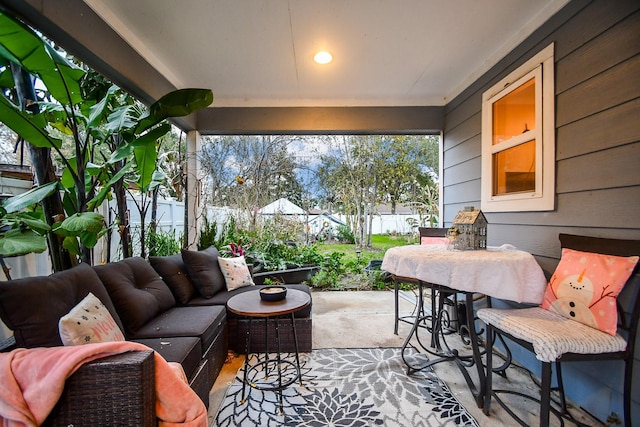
[{"x": 33, "y": 381}]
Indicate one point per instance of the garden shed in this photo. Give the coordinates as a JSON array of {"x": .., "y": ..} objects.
[{"x": 282, "y": 207}]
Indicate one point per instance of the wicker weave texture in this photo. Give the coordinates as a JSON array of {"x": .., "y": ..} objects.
[
  {"x": 200, "y": 383},
  {"x": 217, "y": 352},
  {"x": 238, "y": 330},
  {"x": 117, "y": 390}
]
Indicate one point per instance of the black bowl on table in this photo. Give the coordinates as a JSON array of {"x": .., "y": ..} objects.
[{"x": 273, "y": 293}]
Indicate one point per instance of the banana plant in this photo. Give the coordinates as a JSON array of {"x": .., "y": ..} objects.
[{"x": 80, "y": 127}]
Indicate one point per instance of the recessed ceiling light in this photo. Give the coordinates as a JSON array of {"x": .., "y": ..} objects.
[{"x": 323, "y": 57}]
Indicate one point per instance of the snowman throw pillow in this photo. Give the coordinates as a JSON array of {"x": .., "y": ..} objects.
[{"x": 585, "y": 285}]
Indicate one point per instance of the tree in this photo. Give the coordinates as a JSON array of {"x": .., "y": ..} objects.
[
  {"x": 405, "y": 157},
  {"x": 348, "y": 172},
  {"x": 248, "y": 172},
  {"x": 362, "y": 171}
]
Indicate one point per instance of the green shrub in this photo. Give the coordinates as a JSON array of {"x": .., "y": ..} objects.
[
  {"x": 163, "y": 243},
  {"x": 221, "y": 236},
  {"x": 269, "y": 249},
  {"x": 376, "y": 280},
  {"x": 344, "y": 234},
  {"x": 331, "y": 271},
  {"x": 208, "y": 234},
  {"x": 353, "y": 266}
]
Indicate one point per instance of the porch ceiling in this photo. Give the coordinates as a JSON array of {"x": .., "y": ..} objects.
[
  {"x": 386, "y": 53},
  {"x": 258, "y": 53}
]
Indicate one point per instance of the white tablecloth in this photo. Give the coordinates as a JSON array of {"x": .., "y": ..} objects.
[{"x": 500, "y": 272}]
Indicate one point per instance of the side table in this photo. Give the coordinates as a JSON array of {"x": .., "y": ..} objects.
[{"x": 251, "y": 306}]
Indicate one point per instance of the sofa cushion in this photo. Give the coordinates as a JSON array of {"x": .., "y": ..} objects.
[
  {"x": 173, "y": 272},
  {"x": 89, "y": 322},
  {"x": 204, "y": 271},
  {"x": 183, "y": 350},
  {"x": 138, "y": 293},
  {"x": 236, "y": 272},
  {"x": 221, "y": 299},
  {"x": 202, "y": 322},
  {"x": 32, "y": 306}
]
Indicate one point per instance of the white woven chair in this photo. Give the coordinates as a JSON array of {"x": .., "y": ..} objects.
[{"x": 555, "y": 339}]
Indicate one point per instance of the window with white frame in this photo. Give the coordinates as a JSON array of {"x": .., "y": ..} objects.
[{"x": 518, "y": 139}]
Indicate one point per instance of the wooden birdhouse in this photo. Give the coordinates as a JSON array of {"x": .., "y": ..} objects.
[{"x": 469, "y": 229}]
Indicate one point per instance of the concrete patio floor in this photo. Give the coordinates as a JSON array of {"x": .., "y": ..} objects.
[{"x": 365, "y": 319}]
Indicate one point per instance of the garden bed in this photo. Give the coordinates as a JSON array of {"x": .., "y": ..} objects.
[{"x": 290, "y": 276}]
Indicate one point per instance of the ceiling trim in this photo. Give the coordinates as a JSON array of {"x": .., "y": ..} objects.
[{"x": 320, "y": 120}]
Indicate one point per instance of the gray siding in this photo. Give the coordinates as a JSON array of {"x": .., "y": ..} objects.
[{"x": 597, "y": 57}]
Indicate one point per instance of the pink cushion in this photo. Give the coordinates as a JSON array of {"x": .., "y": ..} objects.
[
  {"x": 425, "y": 240},
  {"x": 585, "y": 286}
]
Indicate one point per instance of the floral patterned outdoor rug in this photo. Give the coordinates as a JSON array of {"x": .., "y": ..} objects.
[{"x": 346, "y": 387}]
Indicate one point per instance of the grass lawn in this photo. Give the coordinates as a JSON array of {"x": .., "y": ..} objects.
[{"x": 380, "y": 244}]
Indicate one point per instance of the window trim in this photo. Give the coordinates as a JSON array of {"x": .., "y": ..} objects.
[{"x": 540, "y": 66}]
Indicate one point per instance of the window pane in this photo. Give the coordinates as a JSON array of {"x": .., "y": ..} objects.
[
  {"x": 515, "y": 113},
  {"x": 514, "y": 169}
]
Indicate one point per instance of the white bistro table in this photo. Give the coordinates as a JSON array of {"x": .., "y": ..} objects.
[{"x": 500, "y": 272}]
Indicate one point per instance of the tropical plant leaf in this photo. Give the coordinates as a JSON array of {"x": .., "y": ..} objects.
[
  {"x": 146, "y": 156},
  {"x": 26, "y": 218},
  {"x": 6, "y": 77},
  {"x": 122, "y": 153},
  {"x": 24, "y": 47},
  {"x": 98, "y": 109},
  {"x": 21, "y": 201},
  {"x": 21, "y": 242},
  {"x": 71, "y": 244},
  {"x": 31, "y": 127},
  {"x": 121, "y": 119},
  {"x": 152, "y": 136},
  {"x": 93, "y": 169},
  {"x": 88, "y": 239},
  {"x": 157, "y": 179},
  {"x": 66, "y": 179},
  {"x": 81, "y": 222},
  {"x": 106, "y": 189},
  {"x": 178, "y": 103}
]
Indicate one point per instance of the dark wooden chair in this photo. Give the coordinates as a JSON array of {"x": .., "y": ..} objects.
[
  {"x": 397, "y": 280},
  {"x": 524, "y": 326}
]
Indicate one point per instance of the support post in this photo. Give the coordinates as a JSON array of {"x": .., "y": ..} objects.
[{"x": 193, "y": 208}]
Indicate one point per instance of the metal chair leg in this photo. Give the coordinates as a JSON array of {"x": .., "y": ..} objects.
[
  {"x": 545, "y": 394},
  {"x": 396, "y": 290},
  {"x": 628, "y": 376},
  {"x": 488, "y": 381}
]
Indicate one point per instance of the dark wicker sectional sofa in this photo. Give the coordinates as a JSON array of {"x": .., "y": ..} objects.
[{"x": 175, "y": 305}]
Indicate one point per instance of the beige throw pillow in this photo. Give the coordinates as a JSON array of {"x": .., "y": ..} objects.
[
  {"x": 236, "y": 272},
  {"x": 88, "y": 322}
]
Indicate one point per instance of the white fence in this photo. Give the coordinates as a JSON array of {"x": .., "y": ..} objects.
[
  {"x": 169, "y": 218},
  {"x": 390, "y": 223}
]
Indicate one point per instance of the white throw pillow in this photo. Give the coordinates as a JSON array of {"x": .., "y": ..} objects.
[
  {"x": 89, "y": 322},
  {"x": 236, "y": 272}
]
